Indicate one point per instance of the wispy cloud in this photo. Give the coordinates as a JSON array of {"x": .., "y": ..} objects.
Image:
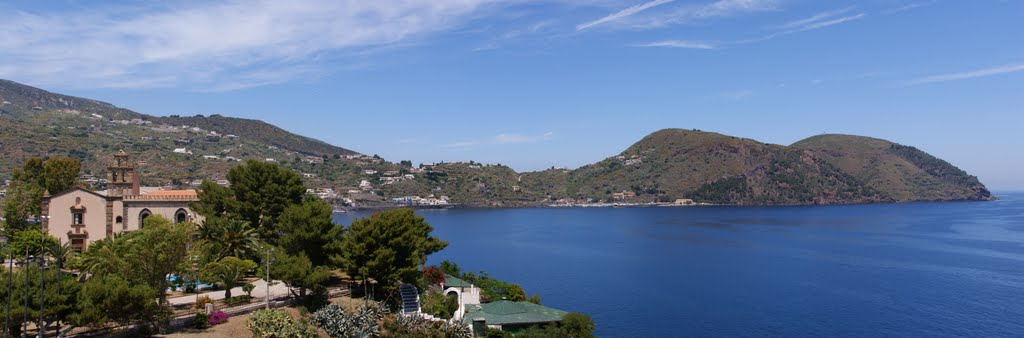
[
  {"x": 1006, "y": 69},
  {"x": 507, "y": 138},
  {"x": 677, "y": 44},
  {"x": 213, "y": 45},
  {"x": 461, "y": 145},
  {"x": 621, "y": 14},
  {"x": 817, "y": 18},
  {"x": 907, "y": 7},
  {"x": 817, "y": 21},
  {"x": 695, "y": 12}
]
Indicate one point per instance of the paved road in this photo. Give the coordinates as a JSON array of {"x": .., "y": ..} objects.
[{"x": 277, "y": 290}]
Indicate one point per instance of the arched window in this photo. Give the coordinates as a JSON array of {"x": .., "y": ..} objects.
[
  {"x": 180, "y": 216},
  {"x": 142, "y": 217},
  {"x": 118, "y": 220}
]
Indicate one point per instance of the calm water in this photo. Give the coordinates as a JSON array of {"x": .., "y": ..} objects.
[{"x": 929, "y": 269}]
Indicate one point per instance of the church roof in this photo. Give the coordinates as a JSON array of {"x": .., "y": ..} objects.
[
  {"x": 166, "y": 195},
  {"x": 189, "y": 192}
]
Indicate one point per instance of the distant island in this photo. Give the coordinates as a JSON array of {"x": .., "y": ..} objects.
[{"x": 670, "y": 166}]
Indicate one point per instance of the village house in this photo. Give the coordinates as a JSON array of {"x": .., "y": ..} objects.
[{"x": 80, "y": 216}]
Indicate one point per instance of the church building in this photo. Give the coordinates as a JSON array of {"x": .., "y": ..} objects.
[{"x": 80, "y": 216}]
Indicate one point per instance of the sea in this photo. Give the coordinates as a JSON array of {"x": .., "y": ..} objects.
[{"x": 914, "y": 269}]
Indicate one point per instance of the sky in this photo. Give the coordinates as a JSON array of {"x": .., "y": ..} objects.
[{"x": 535, "y": 84}]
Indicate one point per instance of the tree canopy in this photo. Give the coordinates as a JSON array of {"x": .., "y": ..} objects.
[
  {"x": 389, "y": 246},
  {"x": 30, "y": 182},
  {"x": 259, "y": 194}
]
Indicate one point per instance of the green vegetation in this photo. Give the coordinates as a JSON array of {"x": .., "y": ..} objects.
[
  {"x": 437, "y": 304},
  {"x": 491, "y": 289},
  {"x": 227, "y": 272},
  {"x": 31, "y": 181},
  {"x": 278, "y": 324},
  {"x": 364, "y": 322},
  {"x": 60, "y": 304},
  {"x": 388, "y": 247}
]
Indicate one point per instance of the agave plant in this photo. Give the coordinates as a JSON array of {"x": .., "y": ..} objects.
[{"x": 363, "y": 323}]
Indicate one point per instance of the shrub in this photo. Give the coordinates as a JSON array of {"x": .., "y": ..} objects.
[
  {"x": 438, "y": 304},
  {"x": 218, "y": 317},
  {"x": 201, "y": 320},
  {"x": 201, "y": 302},
  {"x": 247, "y": 288},
  {"x": 237, "y": 300},
  {"x": 278, "y": 324},
  {"x": 578, "y": 325},
  {"x": 365, "y": 322},
  {"x": 418, "y": 326}
]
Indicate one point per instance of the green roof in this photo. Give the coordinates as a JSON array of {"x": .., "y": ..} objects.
[
  {"x": 450, "y": 282},
  {"x": 504, "y": 312}
]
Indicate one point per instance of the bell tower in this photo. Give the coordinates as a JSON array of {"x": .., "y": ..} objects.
[{"x": 121, "y": 176}]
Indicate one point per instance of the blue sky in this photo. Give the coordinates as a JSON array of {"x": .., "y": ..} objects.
[{"x": 535, "y": 84}]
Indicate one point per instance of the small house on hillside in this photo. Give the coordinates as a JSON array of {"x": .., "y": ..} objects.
[{"x": 510, "y": 316}]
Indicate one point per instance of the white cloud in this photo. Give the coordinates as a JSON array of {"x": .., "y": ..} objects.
[
  {"x": 222, "y": 44},
  {"x": 621, "y": 14},
  {"x": 969, "y": 75},
  {"x": 677, "y": 44},
  {"x": 506, "y": 138}
]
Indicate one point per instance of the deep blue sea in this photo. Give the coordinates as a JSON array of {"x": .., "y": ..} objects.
[{"x": 920, "y": 269}]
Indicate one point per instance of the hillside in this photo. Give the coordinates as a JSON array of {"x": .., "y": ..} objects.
[
  {"x": 711, "y": 167},
  {"x": 666, "y": 165},
  {"x": 903, "y": 173}
]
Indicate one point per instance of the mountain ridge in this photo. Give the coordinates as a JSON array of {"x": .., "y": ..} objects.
[{"x": 663, "y": 166}]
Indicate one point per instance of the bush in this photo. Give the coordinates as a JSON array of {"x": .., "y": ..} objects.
[
  {"x": 218, "y": 317},
  {"x": 247, "y": 288},
  {"x": 318, "y": 298},
  {"x": 438, "y": 304},
  {"x": 278, "y": 324},
  {"x": 237, "y": 300},
  {"x": 201, "y": 302},
  {"x": 201, "y": 320},
  {"x": 417, "y": 326},
  {"x": 578, "y": 325},
  {"x": 363, "y": 323}
]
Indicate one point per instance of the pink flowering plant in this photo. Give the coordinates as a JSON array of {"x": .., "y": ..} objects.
[{"x": 218, "y": 317}]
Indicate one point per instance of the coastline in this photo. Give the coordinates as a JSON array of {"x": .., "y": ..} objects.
[{"x": 637, "y": 205}]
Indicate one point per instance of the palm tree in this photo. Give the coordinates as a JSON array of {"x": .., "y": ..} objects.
[
  {"x": 228, "y": 237},
  {"x": 104, "y": 256},
  {"x": 227, "y": 272}
]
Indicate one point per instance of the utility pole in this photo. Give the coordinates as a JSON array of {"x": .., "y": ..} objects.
[
  {"x": 24, "y": 315},
  {"x": 60, "y": 255},
  {"x": 10, "y": 283},
  {"x": 269, "y": 252},
  {"x": 42, "y": 274}
]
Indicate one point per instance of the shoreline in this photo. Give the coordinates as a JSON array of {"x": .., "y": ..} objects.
[{"x": 635, "y": 205}]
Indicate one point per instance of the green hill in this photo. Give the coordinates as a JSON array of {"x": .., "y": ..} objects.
[
  {"x": 903, "y": 173},
  {"x": 711, "y": 167}
]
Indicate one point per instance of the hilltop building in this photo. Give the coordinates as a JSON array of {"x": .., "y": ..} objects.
[{"x": 80, "y": 216}]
